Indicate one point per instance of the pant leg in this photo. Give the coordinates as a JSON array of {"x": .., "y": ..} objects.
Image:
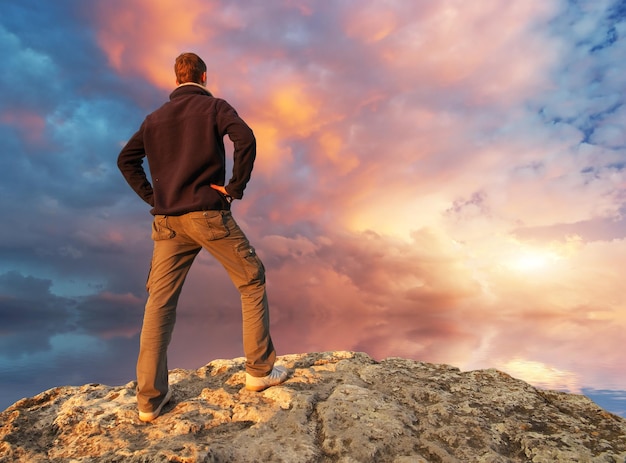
[
  {"x": 171, "y": 259},
  {"x": 219, "y": 234}
]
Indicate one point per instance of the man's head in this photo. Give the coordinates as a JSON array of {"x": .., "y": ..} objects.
[{"x": 189, "y": 67}]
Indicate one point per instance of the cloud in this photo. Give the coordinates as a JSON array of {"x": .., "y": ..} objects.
[
  {"x": 439, "y": 181},
  {"x": 141, "y": 38}
]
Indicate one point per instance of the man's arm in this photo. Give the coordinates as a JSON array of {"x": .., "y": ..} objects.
[
  {"x": 244, "y": 153},
  {"x": 130, "y": 163}
]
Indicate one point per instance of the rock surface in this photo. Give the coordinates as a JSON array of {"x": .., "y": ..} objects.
[{"x": 336, "y": 407}]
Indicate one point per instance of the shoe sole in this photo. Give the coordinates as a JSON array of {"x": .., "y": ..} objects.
[
  {"x": 262, "y": 387},
  {"x": 147, "y": 417}
]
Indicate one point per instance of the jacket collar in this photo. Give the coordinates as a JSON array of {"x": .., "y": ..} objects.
[{"x": 190, "y": 87}]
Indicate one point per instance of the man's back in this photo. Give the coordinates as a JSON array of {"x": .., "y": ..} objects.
[{"x": 183, "y": 141}]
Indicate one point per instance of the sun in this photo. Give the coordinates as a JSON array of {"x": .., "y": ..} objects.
[
  {"x": 533, "y": 260},
  {"x": 530, "y": 259}
]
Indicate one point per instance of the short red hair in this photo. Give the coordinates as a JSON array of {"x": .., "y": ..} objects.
[{"x": 189, "y": 67}]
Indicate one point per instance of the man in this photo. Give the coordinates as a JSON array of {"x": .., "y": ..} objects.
[{"x": 183, "y": 142}]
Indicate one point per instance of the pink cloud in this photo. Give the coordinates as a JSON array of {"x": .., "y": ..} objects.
[
  {"x": 30, "y": 125},
  {"x": 142, "y": 37},
  {"x": 398, "y": 150}
]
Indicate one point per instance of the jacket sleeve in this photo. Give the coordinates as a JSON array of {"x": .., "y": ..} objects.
[
  {"x": 244, "y": 144},
  {"x": 130, "y": 163}
]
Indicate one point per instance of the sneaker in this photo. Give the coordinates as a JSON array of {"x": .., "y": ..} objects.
[
  {"x": 149, "y": 416},
  {"x": 277, "y": 375}
]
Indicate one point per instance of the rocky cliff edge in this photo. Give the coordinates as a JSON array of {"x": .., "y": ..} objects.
[{"x": 336, "y": 407}]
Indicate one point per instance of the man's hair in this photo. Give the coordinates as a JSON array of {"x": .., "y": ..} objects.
[{"x": 189, "y": 67}]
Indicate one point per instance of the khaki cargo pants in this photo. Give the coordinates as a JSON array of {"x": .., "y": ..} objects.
[{"x": 177, "y": 241}]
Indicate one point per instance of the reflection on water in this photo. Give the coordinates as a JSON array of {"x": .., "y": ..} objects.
[
  {"x": 66, "y": 359},
  {"x": 28, "y": 376},
  {"x": 542, "y": 376},
  {"x": 612, "y": 401}
]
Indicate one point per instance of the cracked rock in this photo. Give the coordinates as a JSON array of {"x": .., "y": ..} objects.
[{"x": 336, "y": 407}]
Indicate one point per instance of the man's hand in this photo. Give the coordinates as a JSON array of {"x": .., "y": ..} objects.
[
  {"x": 222, "y": 190},
  {"x": 219, "y": 188}
]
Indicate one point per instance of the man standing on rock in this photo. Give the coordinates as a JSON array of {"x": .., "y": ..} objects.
[{"x": 183, "y": 142}]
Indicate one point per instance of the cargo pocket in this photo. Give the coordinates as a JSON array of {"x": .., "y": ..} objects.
[
  {"x": 160, "y": 229},
  {"x": 212, "y": 225},
  {"x": 255, "y": 271}
]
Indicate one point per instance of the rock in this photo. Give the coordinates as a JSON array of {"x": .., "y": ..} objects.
[{"x": 336, "y": 407}]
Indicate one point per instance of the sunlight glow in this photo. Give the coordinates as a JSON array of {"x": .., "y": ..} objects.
[
  {"x": 529, "y": 260},
  {"x": 542, "y": 375}
]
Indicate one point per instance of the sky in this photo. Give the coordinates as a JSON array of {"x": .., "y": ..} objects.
[{"x": 436, "y": 180}]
